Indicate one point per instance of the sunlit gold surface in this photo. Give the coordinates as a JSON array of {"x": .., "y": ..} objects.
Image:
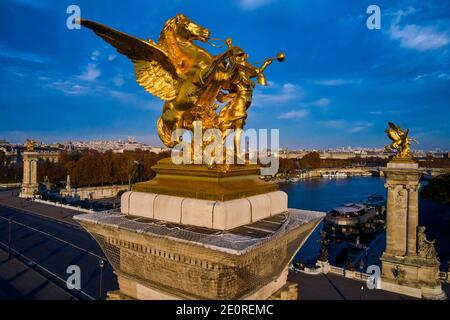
[
  {"x": 188, "y": 78},
  {"x": 203, "y": 182},
  {"x": 30, "y": 145},
  {"x": 400, "y": 143}
]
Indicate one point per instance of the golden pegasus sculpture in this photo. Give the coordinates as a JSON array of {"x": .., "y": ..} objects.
[
  {"x": 30, "y": 145},
  {"x": 400, "y": 142},
  {"x": 188, "y": 78}
]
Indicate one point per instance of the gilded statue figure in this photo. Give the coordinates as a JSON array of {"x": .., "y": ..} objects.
[
  {"x": 240, "y": 88},
  {"x": 190, "y": 80},
  {"x": 401, "y": 143},
  {"x": 30, "y": 145}
]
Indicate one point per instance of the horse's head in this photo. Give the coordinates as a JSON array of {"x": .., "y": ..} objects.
[{"x": 190, "y": 30}]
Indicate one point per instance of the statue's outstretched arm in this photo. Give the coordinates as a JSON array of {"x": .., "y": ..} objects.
[{"x": 264, "y": 66}]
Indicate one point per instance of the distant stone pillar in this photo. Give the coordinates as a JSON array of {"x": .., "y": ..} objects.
[
  {"x": 403, "y": 269},
  {"x": 413, "y": 218},
  {"x": 29, "y": 182},
  {"x": 68, "y": 185},
  {"x": 390, "y": 226}
]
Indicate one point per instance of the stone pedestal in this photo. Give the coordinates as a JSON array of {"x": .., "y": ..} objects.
[
  {"x": 219, "y": 215},
  {"x": 158, "y": 260},
  {"x": 403, "y": 269},
  {"x": 196, "y": 232},
  {"x": 29, "y": 183},
  {"x": 324, "y": 266}
]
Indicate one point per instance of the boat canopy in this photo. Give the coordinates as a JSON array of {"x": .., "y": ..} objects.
[{"x": 348, "y": 208}]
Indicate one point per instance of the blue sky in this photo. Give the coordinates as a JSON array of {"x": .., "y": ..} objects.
[{"x": 339, "y": 85}]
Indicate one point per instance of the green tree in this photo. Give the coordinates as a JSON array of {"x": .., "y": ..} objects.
[
  {"x": 2, "y": 158},
  {"x": 286, "y": 165},
  {"x": 437, "y": 189},
  {"x": 311, "y": 161}
]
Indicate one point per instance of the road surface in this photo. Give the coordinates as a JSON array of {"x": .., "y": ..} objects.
[{"x": 50, "y": 246}]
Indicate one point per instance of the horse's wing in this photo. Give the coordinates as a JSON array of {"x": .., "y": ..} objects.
[
  {"x": 393, "y": 135},
  {"x": 152, "y": 66}
]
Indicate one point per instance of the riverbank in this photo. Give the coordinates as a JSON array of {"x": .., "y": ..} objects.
[
  {"x": 322, "y": 194},
  {"x": 331, "y": 173}
]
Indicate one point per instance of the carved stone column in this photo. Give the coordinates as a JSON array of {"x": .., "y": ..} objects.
[
  {"x": 33, "y": 165},
  {"x": 413, "y": 219},
  {"x": 403, "y": 271},
  {"x": 29, "y": 182}
]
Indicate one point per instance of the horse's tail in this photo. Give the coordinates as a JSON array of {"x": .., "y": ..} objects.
[{"x": 165, "y": 134}]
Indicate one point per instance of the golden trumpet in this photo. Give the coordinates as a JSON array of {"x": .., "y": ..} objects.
[{"x": 280, "y": 57}]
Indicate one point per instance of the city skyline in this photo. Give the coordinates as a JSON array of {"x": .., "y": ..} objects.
[
  {"x": 340, "y": 84},
  {"x": 132, "y": 143}
]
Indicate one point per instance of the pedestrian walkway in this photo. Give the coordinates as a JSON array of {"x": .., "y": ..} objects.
[
  {"x": 10, "y": 199},
  {"x": 334, "y": 287}
]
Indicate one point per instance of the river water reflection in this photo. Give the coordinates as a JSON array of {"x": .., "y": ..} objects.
[{"x": 323, "y": 194}]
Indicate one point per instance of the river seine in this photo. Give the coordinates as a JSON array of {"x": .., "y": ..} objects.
[{"x": 323, "y": 194}]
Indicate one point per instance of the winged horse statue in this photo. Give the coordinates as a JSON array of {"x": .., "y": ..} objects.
[
  {"x": 175, "y": 69},
  {"x": 400, "y": 141}
]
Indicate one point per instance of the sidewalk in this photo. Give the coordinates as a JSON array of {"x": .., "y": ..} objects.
[
  {"x": 52, "y": 212},
  {"x": 20, "y": 281},
  {"x": 334, "y": 287}
]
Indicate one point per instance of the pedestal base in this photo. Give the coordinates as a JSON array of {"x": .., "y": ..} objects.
[
  {"x": 434, "y": 293},
  {"x": 412, "y": 276},
  {"x": 207, "y": 183},
  {"x": 28, "y": 191},
  {"x": 132, "y": 289},
  {"x": 219, "y": 215},
  {"x": 288, "y": 292},
  {"x": 157, "y": 260},
  {"x": 199, "y": 232},
  {"x": 402, "y": 164}
]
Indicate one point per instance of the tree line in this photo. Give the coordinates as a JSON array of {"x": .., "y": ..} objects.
[
  {"x": 312, "y": 161},
  {"x": 92, "y": 168},
  {"x": 9, "y": 171},
  {"x": 437, "y": 189},
  {"x": 89, "y": 168}
]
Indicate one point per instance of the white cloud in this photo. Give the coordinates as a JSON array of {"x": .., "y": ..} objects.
[
  {"x": 118, "y": 80},
  {"x": 436, "y": 75},
  {"x": 253, "y": 4},
  {"x": 420, "y": 76},
  {"x": 336, "y": 82},
  {"x": 322, "y": 102},
  {"x": 295, "y": 114},
  {"x": 389, "y": 112},
  {"x": 334, "y": 124},
  {"x": 94, "y": 55},
  {"x": 111, "y": 57},
  {"x": 91, "y": 73},
  {"x": 420, "y": 38},
  {"x": 133, "y": 100},
  {"x": 358, "y": 127},
  {"x": 288, "y": 92},
  {"x": 69, "y": 87},
  {"x": 24, "y": 56},
  {"x": 350, "y": 127}
]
